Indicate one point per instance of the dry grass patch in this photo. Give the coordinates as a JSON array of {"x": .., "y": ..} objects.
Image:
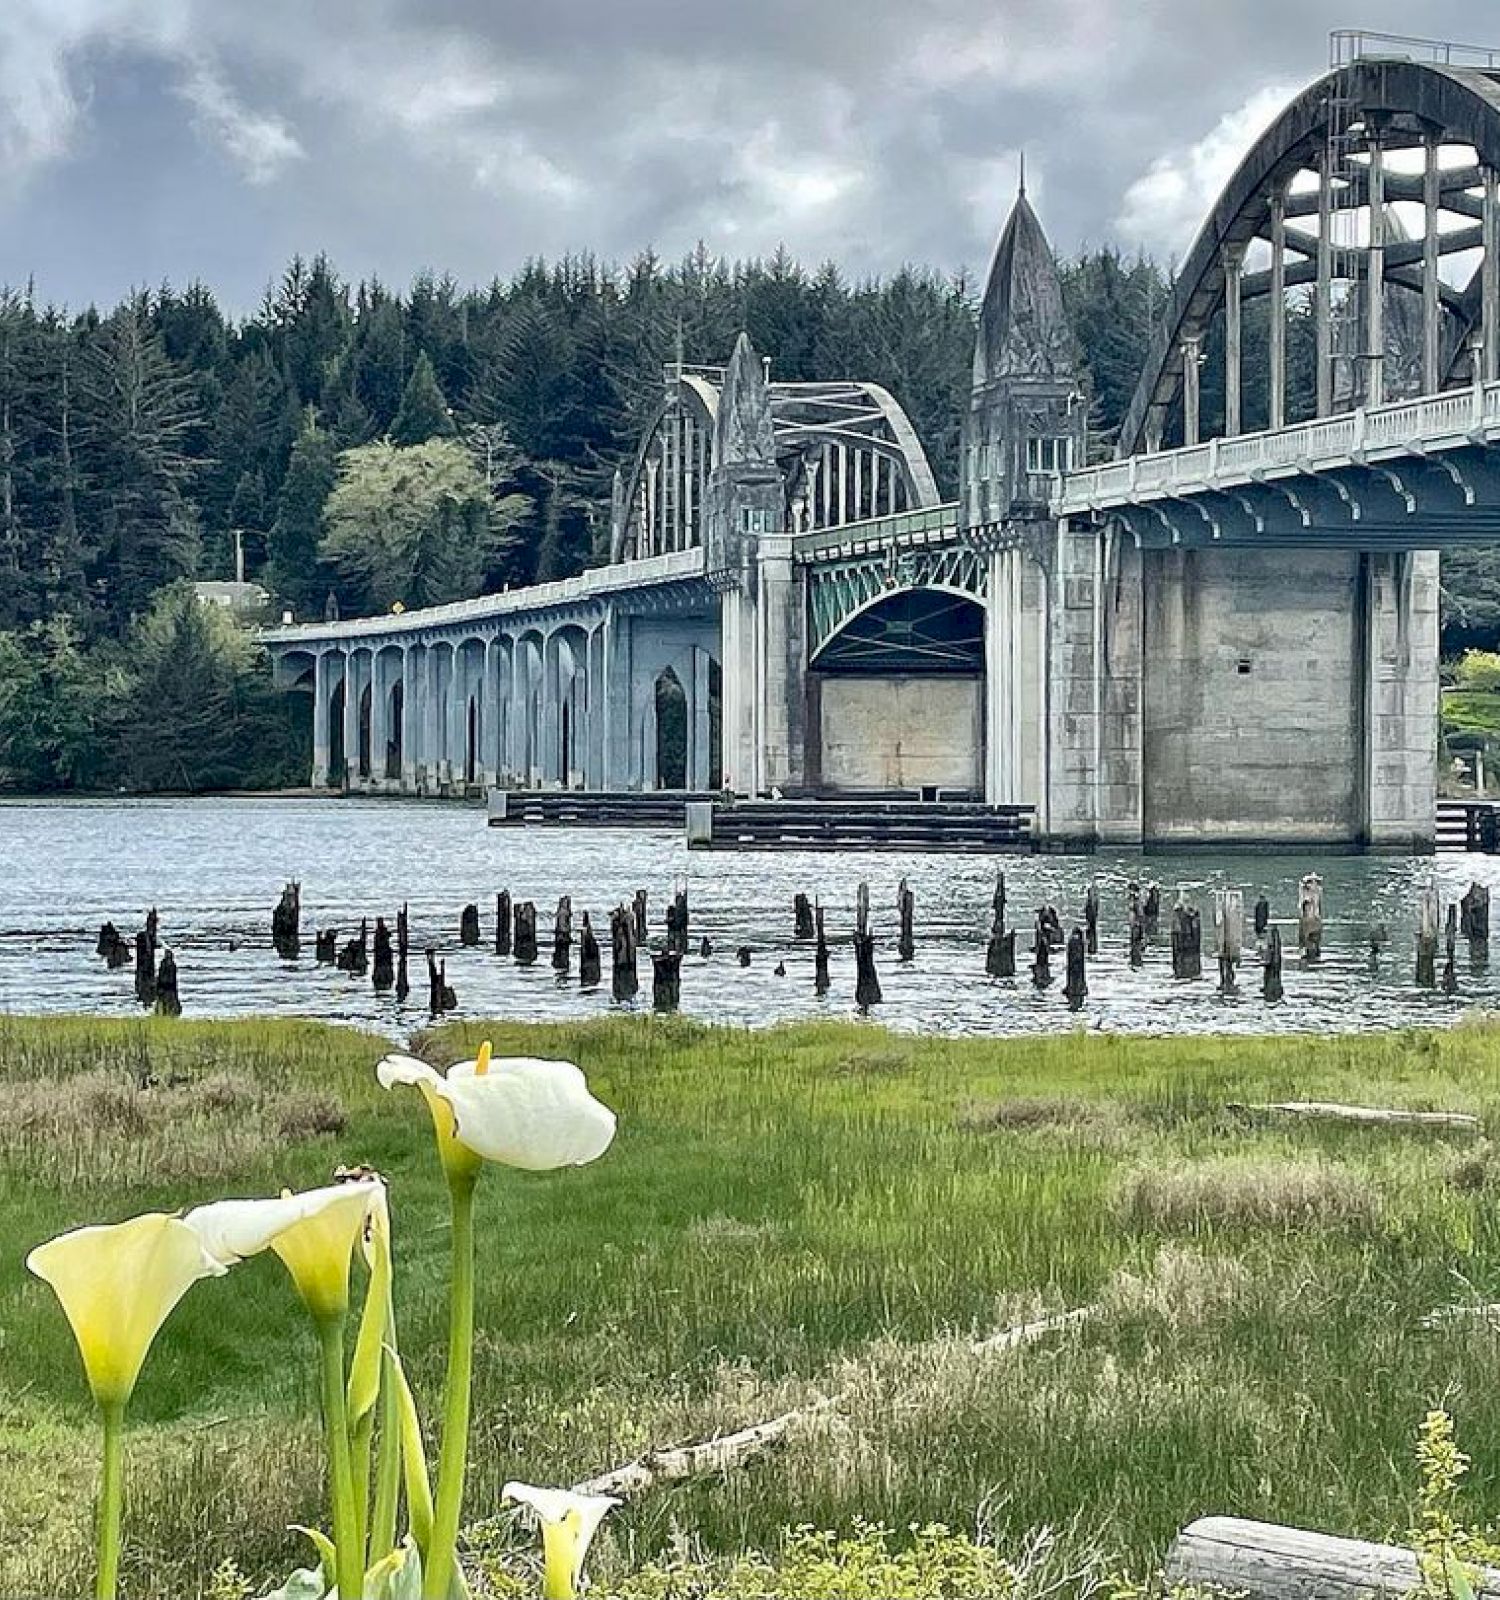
[
  {"x": 1182, "y": 1287},
  {"x": 106, "y": 1128},
  {"x": 1245, "y": 1191}
]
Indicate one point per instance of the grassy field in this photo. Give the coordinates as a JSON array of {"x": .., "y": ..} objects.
[{"x": 784, "y": 1215}]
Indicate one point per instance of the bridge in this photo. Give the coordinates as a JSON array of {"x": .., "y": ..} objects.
[{"x": 1223, "y": 634}]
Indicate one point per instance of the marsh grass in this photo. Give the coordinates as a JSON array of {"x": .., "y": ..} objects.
[{"x": 788, "y": 1214}]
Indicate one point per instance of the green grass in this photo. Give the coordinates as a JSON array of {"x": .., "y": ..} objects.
[{"x": 785, "y": 1213}]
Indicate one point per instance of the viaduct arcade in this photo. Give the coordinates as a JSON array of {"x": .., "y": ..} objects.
[{"x": 1227, "y": 632}]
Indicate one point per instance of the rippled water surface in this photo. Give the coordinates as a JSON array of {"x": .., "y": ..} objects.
[{"x": 214, "y": 869}]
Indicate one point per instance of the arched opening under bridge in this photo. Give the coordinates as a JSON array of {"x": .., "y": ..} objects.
[{"x": 897, "y": 696}]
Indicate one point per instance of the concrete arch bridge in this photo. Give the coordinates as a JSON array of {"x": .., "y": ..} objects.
[{"x": 1227, "y": 632}]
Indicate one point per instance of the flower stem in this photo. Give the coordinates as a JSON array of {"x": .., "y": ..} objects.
[
  {"x": 340, "y": 1472},
  {"x": 388, "y": 1459},
  {"x": 111, "y": 1499},
  {"x": 442, "y": 1553}
]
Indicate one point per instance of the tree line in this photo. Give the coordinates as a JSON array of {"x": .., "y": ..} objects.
[{"x": 360, "y": 447}]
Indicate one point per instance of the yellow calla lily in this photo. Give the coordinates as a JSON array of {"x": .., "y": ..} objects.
[
  {"x": 569, "y": 1522},
  {"x": 314, "y": 1233},
  {"x": 117, "y": 1284}
]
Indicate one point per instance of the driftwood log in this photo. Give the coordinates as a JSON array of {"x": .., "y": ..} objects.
[
  {"x": 1378, "y": 1116},
  {"x": 588, "y": 956},
  {"x": 1265, "y": 1561},
  {"x": 502, "y": 923},
  {"x": 624, "y": 981}
]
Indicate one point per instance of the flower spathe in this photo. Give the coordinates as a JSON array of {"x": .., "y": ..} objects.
[
  {"x": 518, "y": 1111},
  {"x": 569, "y": 1522},
  {"x": 117, "y": 1284},
  {"x": 314, "y": 1233}
]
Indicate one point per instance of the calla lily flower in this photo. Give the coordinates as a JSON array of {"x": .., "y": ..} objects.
[
  {"x": 518, "y": 1111},
  {"x": 314, "y": 1233},
  {"x": 569, "y": 1522},
  {"x": 117, "y": 1285}
]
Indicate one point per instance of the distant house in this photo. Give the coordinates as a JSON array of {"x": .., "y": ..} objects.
[{"x": 244, "y": 599}]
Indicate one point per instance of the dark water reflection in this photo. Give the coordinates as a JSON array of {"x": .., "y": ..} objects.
[{"x": 214, "y": 869}]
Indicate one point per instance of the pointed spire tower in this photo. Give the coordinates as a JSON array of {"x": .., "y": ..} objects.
[
  {"x": 1025, "y": 418},
  {"x": 745, "y": 492}
]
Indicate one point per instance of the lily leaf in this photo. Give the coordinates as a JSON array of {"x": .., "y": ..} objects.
[
  {"x": 306, "y": 1583},
  {"x": 327, "y": 1555},
  {"x": 413, "y": 1461},
  {"x": 364, "y": 1370},
  {"x": 397, "y": 1576}
]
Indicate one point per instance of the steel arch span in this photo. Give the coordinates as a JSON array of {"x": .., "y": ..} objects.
[
  {"x": 1375, "y": 189},
  {"x": 847, "y": 452}
]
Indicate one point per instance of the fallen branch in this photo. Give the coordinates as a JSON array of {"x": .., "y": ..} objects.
[
  {"x": 1379, "y": 1116},
  {"x": 730, "y": 1450}
]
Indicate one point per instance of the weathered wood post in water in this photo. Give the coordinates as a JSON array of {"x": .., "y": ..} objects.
[
  {"x": 1262, "y": 917},
  {"x": 355, "y": 956},
  {"x": 866, "y": 979},
  {"x": 440, "y": 997},
  {"x": 1474, "y": 918},
  {"x": 1136, "y": 922},
  {"x": 168, "y": 1004},
  {"x": 588, "y": 956},
  {"x": 468, "y": 925},
  {"x": 1229, "y": 933},
  {"x": 326, "y": 945},
  {"x": 623, "y": 980},
  {"x": 1000, "y": 952},
  {"x": 1310, "y": 917},
  {"x": 1187, "y": 938},
  {"x": 1450, "y": 971},
  {"x": 705, "y": 948},
  {"x": 403, "y": 949},
  {"x": 1270, "y": 983},
  {"x": 1091, "y": 919},
  {"x": 152, "y": 923},
  {"x": 820, "y": 954},
  {"x": 383, "y": 966},
  {"x": 1427, "y": 938},
  {"x": 524, "y": 944},
  {"x": 1075, "y": 985},
  {"x": 1052, "y": 927},
  {"x": 742, "y": 955},
  {"x": 802, "y": 916},
  {"x": 115, "y": 950},
  {"x": 145, "y": 969},
  {"x": 638, "y": 907},
  {"x": 906, "y": 946},
  {"x": 1041, "y": 965},
  {"x": 1151, "y": 907},
  {"x": 562, "y": 935},
  {"x": 666, "y": 979},
  {"x": 677, "y": 922},
  {"x": 502, "y": 923},
  {"x": 286, "y": 922}
]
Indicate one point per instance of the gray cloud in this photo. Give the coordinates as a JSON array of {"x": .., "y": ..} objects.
[{"x": 151, "y": 139}]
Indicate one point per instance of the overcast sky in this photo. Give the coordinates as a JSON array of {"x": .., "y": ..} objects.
[{"x": 143, "y": 140}]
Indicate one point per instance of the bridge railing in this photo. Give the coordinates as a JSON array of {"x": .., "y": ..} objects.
[
  {"x": 900, "y": 527},
  {"x": 1440, "y": 421}
]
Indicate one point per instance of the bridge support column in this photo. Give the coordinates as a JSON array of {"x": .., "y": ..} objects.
[
  {"x": 740, "y": 724},
  {"x": 783, "y": 665},
  {"x": 455, "y": 721},
  {"x": 380, "y": 690},
  {"x": 594, "y": 713},
  {"x": 432, "y": 720},
  {"x": 487, "y": 758},
  {"x": 350, "y": 774},
  {"x": 1120, "y": 639},
  {"x": 1401, "y": 699},
  {"x": 552, "y": 774},
  {"x": 700, "y": 735},
  {"x": 614, "y": 701},
  {"x": 411, "y": 716},
  {"x": 1073, "y": 690},
  {"x": 323, "y": 682},
  {"x": 1015, "y": 622}
]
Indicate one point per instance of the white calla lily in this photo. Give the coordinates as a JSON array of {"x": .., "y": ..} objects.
[
  {"x": 518, "y": 1111},
  {"x": 569, "y": 1522}
]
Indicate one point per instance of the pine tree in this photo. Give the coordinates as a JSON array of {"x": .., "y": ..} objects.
[
  {"x": 424, "y": 413},
  {"x": 293, "y": 570}
]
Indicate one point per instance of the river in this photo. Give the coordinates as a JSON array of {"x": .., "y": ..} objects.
[{"x": 215, "y": 867}]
